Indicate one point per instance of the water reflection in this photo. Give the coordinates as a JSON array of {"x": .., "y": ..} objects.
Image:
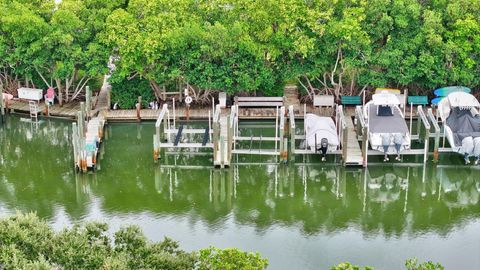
[
  {"x": 37, "y": 175},
  {"x": 392, "y": 200}
]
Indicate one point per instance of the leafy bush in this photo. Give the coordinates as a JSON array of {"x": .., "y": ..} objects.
[
  {"x": 348, "y": 266},
  {"x": 126, "y": 92},
  {"x": 26, "y": 242},
  {"x": 230, "y": 259},
  {"x": 412, "y": 264}
]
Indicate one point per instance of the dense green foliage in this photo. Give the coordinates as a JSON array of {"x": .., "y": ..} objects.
[
  {"x": 45, "y": 44},
  {"x": 26, "y": 242},
  {"x": 230, "y": 259},
  {"x": 29, "y": 243},
  {"x": 411, "y": 264},
  {"x": 339, "y": 47},
  {"x": 126, "y": 92}
]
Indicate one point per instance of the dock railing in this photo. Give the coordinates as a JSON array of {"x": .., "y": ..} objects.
[
  {"x": 159, "y": 135},
  {"x": 362, "y": 128},
  {"x": 437, "y": 133},
  {"x": 291, "y": 116},
  {"x": 423, "y": 131},
  {"x": 342, "y": 131}
]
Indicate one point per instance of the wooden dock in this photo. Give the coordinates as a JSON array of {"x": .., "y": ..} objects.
[
  {"x": 68, "y": 110},
  {"x": 354, "y": 153}
]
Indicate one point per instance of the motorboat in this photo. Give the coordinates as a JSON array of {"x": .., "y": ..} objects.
[
  {"x": 459, "y": 112},
  {"x": 321, "y": 134},
  {"x": 387, "y": 129}
]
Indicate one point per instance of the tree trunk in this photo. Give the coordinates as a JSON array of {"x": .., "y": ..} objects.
[{"x": 59, "y": 91}]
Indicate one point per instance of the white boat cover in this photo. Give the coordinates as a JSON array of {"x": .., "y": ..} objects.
[{"x": 322, "y": 127}]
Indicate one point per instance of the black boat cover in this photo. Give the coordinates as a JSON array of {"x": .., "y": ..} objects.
[{"x": 463, "y": 124}]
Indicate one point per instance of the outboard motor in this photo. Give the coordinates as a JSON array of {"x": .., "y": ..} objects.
[
  {"x": 386, "y": 145},
  {"x": 467, "y": 148},
  {"x": 476, "y": 149},
  {"x": 324, "y": 148},
  {"x": 398, "y": 141}
]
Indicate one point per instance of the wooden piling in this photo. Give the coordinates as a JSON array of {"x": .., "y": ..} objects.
[
  {"x": 365, "y": 146},
  {"x": 139, "y": 108},
  {"x": 229, "y": 139},
  {"x": 88, "y": 101},
  {"x": 75, "y": 145},
  {"x": 2, "y": 109},
  {"x": 155, "y": 147},
  {"x": 345, "y": 145}
]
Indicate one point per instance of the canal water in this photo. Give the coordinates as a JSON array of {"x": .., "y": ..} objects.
[{"x": 301, "y": 215}]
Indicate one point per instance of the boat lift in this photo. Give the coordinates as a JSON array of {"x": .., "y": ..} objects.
[
  {"x": 169, "y": 136},
  {"x": 280, "y": 138},
  {"x": 425, "y": 121},
  {"x": 341, "y": 129}
]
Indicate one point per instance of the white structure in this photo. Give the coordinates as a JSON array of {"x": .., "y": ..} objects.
[
  {"x": 463, "y": 108},
  {"x": 30, "y": 94},
  {"x": 387, "y": 128}
]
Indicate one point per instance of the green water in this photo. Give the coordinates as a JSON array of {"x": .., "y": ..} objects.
[{"x": 304, "y": 215}]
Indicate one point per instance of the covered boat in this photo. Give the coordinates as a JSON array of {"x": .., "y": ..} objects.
[
  {"x": 459, "y": 112},
  {"x": 388, "y": 131},
  {"x": 321, "y": 134}
]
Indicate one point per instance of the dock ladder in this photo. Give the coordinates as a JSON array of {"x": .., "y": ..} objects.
[{"x": 33, "y": 111}]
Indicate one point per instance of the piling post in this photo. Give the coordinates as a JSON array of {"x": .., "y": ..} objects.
[
  {"x": 174, "y": 113},
  {"x": 291, "y": 114},
  {"x": 282, "y": 134},
  {"x": 155, "y": 147},
  {"x": 75, "y": 144},
  {"x": 433, "y": 121},
  {"x": 88, "y": 101},
  {"x": 365, "y": 145},
  {"x": 427, "y": 140},
  {"x": 2, "y": 109},
  {"x": 81, "y": 124},
  {"x": 216, "y": 133},
  {"x": 222, "y": 152},
  {"x": 229, "y": 139},
  {"x": 344, "y": 144},
  {"x": 435, "y": 146},
  {"x": 139, "y": 108}
]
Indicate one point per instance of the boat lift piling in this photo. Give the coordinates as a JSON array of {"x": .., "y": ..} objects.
[
  {"x": 2, "y": 109},
  {"x": 436, "y": 134},
  {"x": 423, "y": 131},
  {"x": 341, "y": 128}
]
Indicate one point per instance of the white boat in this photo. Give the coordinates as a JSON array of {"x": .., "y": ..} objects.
[
  {"x": 459, "y": 112},
  {"x": 387, "y": 129},
  {"x": 321, "y": 134}
]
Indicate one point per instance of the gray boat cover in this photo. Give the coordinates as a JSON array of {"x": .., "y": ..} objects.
[
  {"x": 463, "y": 124},
  {"x": 320, "y": 127},
  {"x": 386, "y": 124}
]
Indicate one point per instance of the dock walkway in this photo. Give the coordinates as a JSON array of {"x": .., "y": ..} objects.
[{"x": 354, "y": 153}]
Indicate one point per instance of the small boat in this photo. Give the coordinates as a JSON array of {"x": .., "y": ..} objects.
[
  {"x": 459, "y": 112},
  {"x": 387, "y": 128},
  {"x": 321, "y": 134}
]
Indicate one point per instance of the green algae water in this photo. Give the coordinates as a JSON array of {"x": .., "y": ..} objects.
[{"x": 302, "y": 215}]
